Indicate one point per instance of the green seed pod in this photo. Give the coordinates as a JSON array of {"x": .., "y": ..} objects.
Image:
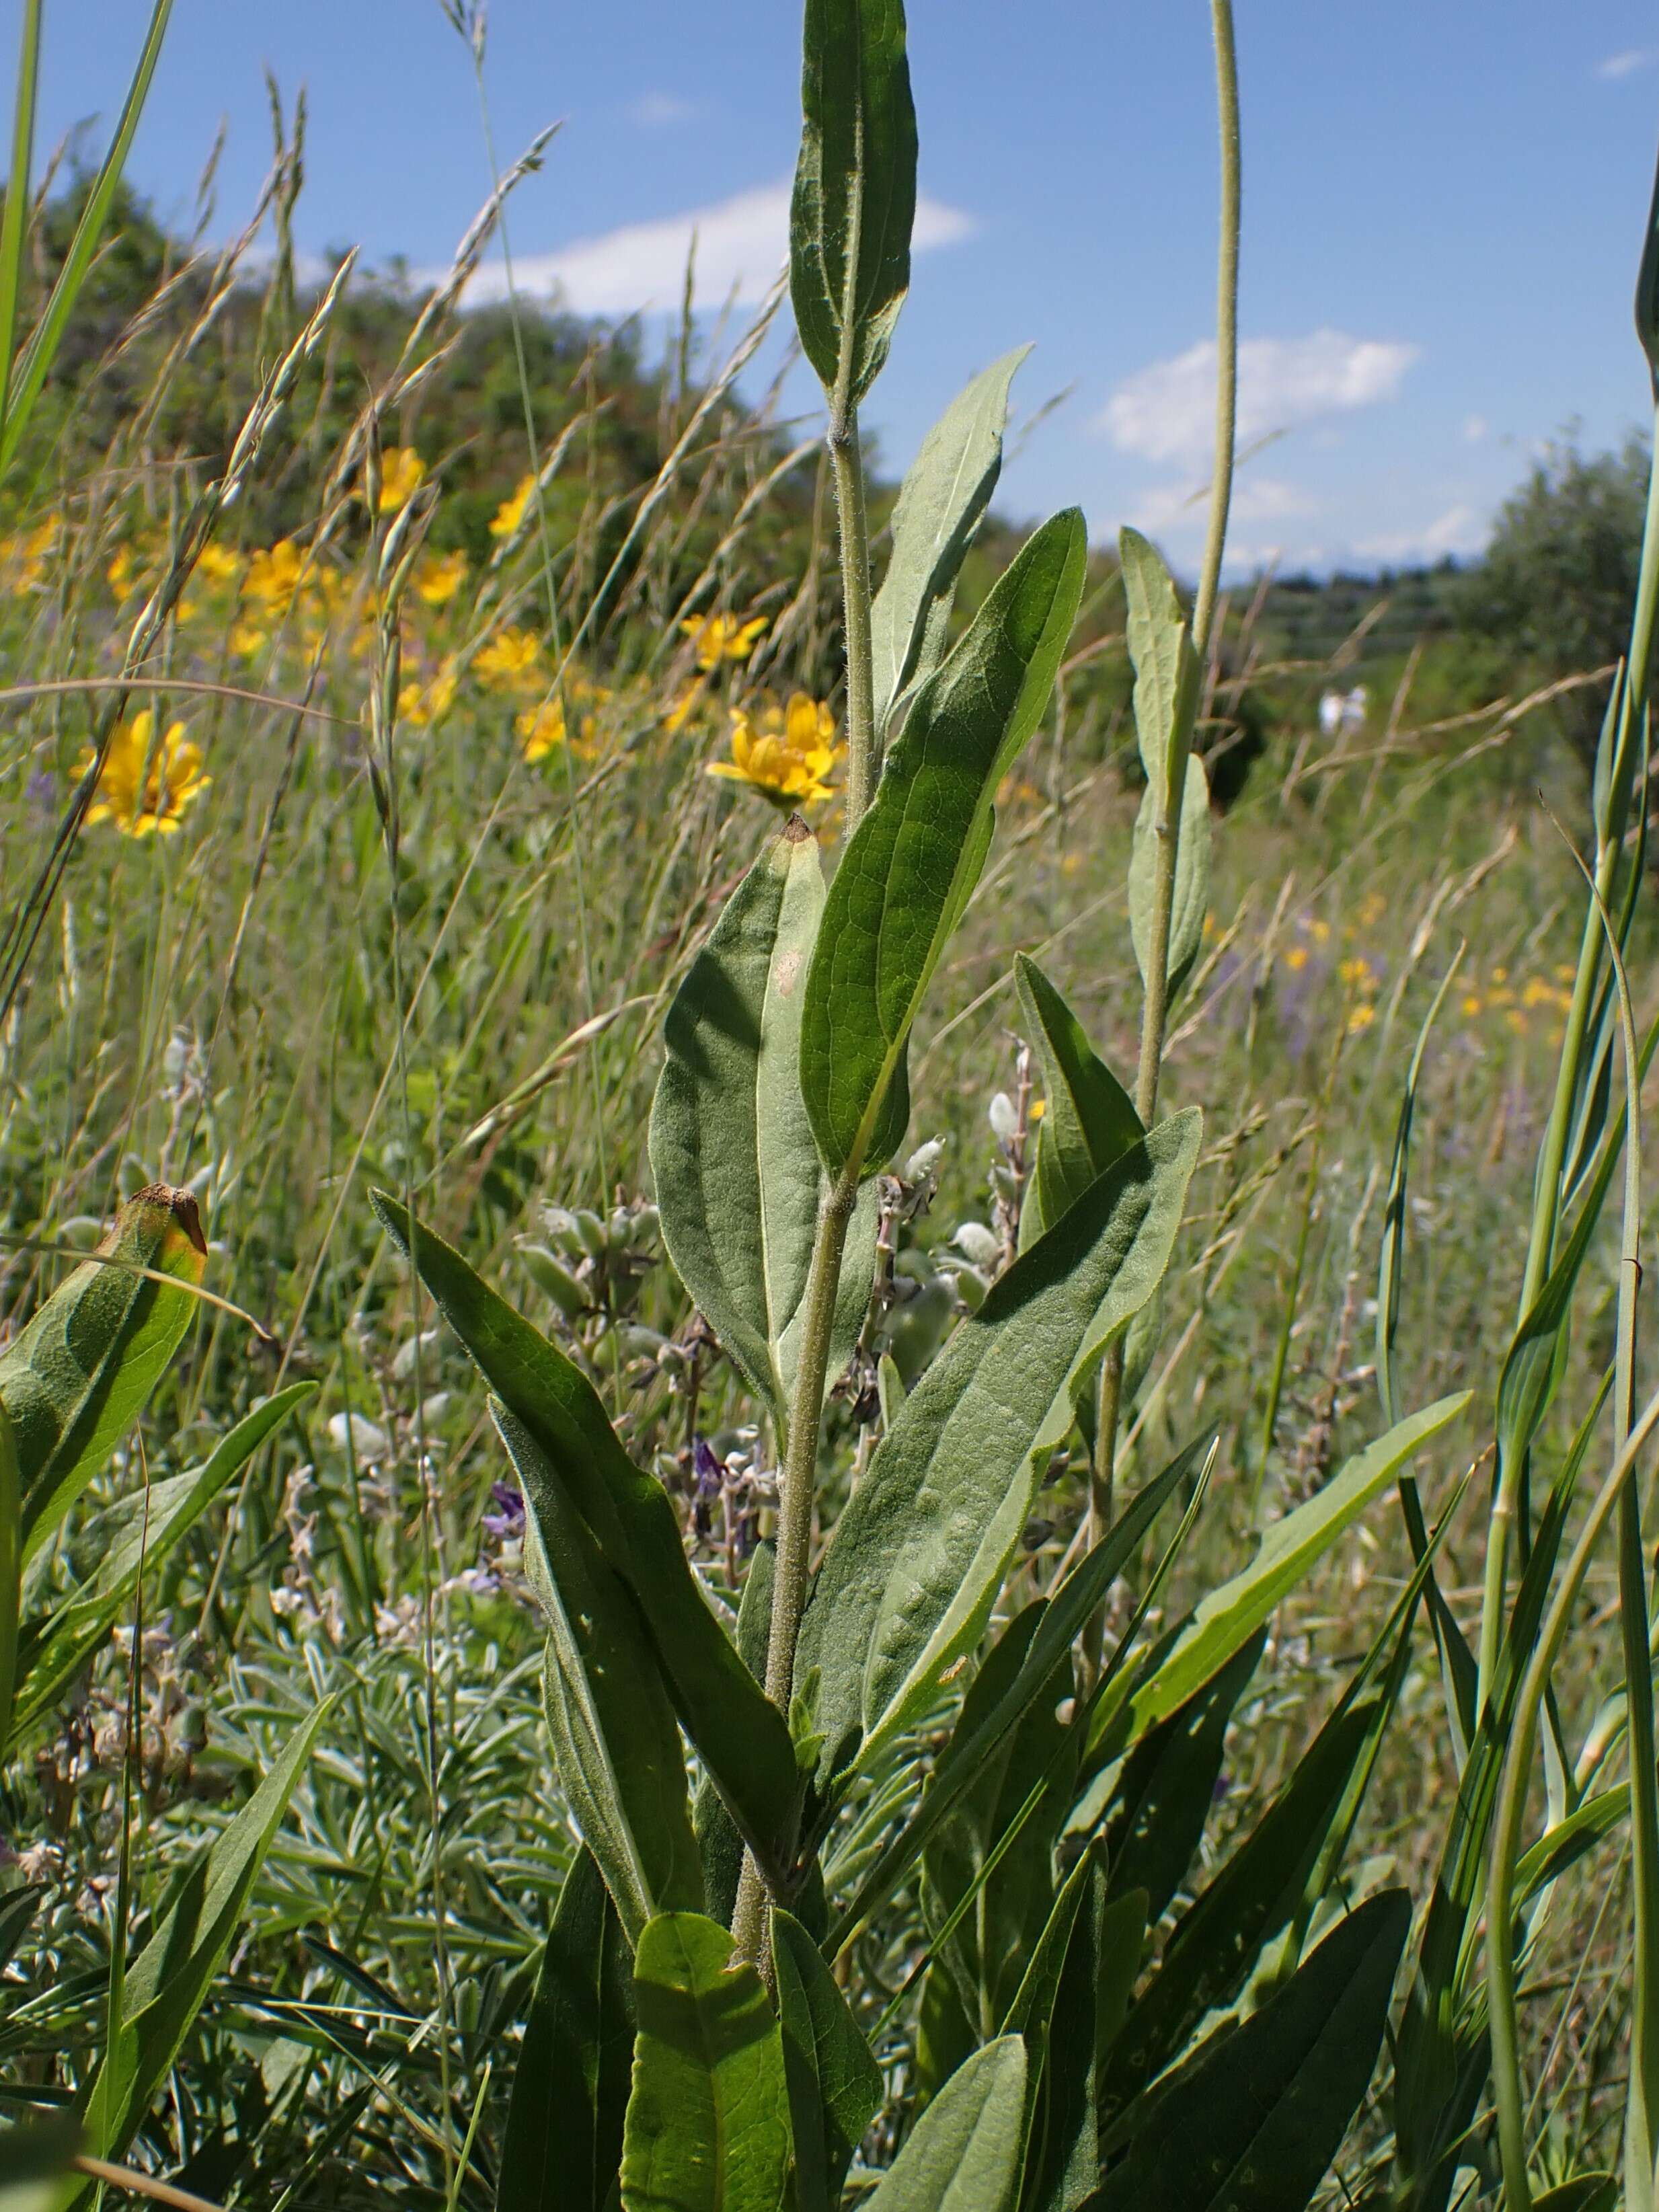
[
  {"x": 551, "y": 1275},
  {"x": 590, "y": 1231},
  {"x": 80, "y": 1374}
]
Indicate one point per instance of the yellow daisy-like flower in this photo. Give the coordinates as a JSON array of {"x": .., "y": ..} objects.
[
  {"x": 122, "y": 572},
  {"x": 25, "y": 555},
  {"x": 421, "y": 705},
  {"x": 1357, "y": 974},
  {"x": 542, "y": 730},
  {"x": 218, "y": 563},
  {"x": 147, "y": 784},
  {"x": 402, "y": 470},
  {"x": 439, "y": 577},
  {"x": 683, "y": 708},
  {"x": 722, "y": 637},
  {"x": 509, "y": 660},
  {"x": 273, "y": 576},
  {"x": 511, "y": 512},
  {"x": 786, "y": 753},
  {"x": 1361, "y": 1019}
]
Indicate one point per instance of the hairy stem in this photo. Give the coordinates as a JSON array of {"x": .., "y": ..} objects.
[{"x": 863, "y": 763}]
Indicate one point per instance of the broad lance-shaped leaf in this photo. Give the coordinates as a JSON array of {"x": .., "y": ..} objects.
[
  {"x": 1192, "y": 878},
  {"x": 54, "y": 1646},
  {"x": 1230, "y": 1614},
  {"x": 938, "y": 510},
  {"x": 1160, "y": 648},
  {"x": 919, "y": 1554},
  {"x": 1089, "y": 1120},
  {"x": 855, "y": 199},
  {"x": 564, "y": 2122},
  {"x": 965, "y": 2153},
  {"x": 166, "y": 1984},
  {"x": 614, "y": 1739},
  {"x": 742, "y": 1739},
  {"x": 835, "y": 2083},
  {"x": 1253, "y": 2122},
  {"x": 914, "y": 860},
  {"x": 708, "y": 2124},
  {"x": 739, "y": 1182},
  {"x": 76, "y": 1379}
]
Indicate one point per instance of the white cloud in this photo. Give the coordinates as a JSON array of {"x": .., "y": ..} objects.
[
  {"x": 1459, "y": 532},
  {"x": 1257, "y": 499},
  {"x": 1167, "y": 412},
  {"x": 1628, "y": 63},
  {"x": 652, "y": 111},
  {"x": 742, "y": 243},
  {"x": 1475, "y": 428}
]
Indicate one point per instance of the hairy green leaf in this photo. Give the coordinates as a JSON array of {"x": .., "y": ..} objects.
[
  {"x": 1232, "y": 1613},
  {"x": 1253, "y": 2122},
  {"x": 835, "y": 2083},
  {"x": 617, "y": 1749},
  {"x": 912, "y": 862},
  {"x": 1192, "y": 878},
  {"x": 964, "y": 2155},
  {"x": 742, "y": 1739},
  {"x": 919, "y": 1555},
  {"x": 855, "y": 192},
  {"x": 1160, "y": 648},
  {"x": 939, "y": 508},
  {"x": 563, "y": 2139},
  {"x": 55, "y": 1646},
  {"x": 708, "y": 2124},
  {"x": 1089, "y": 1119},
  {"x": 718, "y": 1839},
  {"x": 739, "y": 1183},
  {"x": 76, "y": 1379}
]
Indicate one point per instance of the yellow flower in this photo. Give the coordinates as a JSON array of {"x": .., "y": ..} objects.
[
  {"x": 542, "y": 728},
  {"x": 509, "y": 660},
  {"x": 683, "y": 708},
  {"x": 1361, "y": 1019},
  {"x": 787, "y": 753},
  {"x": 248, "y": 640},
  {"x": 1296, "y": 958},
  {"x": 1318, "y": 931},
  {"x": 511, "y": 512},
  {"x": 419, "y": 705},
  {"x": 273, "y": 576},
  {"x": 1473, "y": 1003},
  {"x": 1357, "y": 974},
  {"x": 122, "y": 572},
  {"x": 722, "y": 637},
  {"x": 217, "y": 563},
  {"x": 439, "y": 577},
  {"x": 25, "y": 555},
  {"x": 401, "y": 471},
  {"x": 146, "y": 784}
]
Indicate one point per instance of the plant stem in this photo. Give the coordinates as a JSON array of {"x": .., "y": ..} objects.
[
  {"x": 863, "y": 763},
  {"x": 796, "y": 1482},
  {"x": 1155, "y": 1006}
]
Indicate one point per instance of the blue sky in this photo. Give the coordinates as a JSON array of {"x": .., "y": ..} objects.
[{"x": 1445, "y": 202}]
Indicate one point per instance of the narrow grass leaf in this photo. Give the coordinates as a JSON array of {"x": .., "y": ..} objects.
[
  {"x": 78, "y": 1376},
  {"x": 918, "y": 1557},
  {"x": 939, "y": 508},
  {"x": 914, "y": 860},
  {"x": 563, "y": 2139},
  {"x": 708, "y": 2125},
  {"x": 739, "y": 1183}
]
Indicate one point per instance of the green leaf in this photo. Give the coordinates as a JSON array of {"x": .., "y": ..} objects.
[
  {"x": 11, "y": 1574},
  {"x": 77, "y": 1377},
  {"x": 918, "y": 1556},
  {"x": 1191, "y": 882},
  {"x": 55, "y": 1646},
  {"x": 1089, "y": 1119},
  {"x": 165, "y": 1986},
  {"x": 1167, "y": 1787},
  {"x": 1585, "y": 2193},
  {"x": 1165, "y": 665},
  {"x": 855, "y": 192},
  {"x": 1102, "y": 1965},
  {"x": 563, "y": 2140},
  {"x": 976, "y": 1737},
  {"x": 739, "y": 1183},
  {"x": 939, "y": 508},
  {"x": 708, "y": 2127},
  {"x": 620, "y": 1764},
  {"x": 835, "y": 2084},
  {"x": 914, "y": 860},
  {"x": 1232, "y": 1613},
  {"x": 1253, "y": 2121},
  {"x": 964, "y": 2155},
  {"x": 1566, "y": 1842},
  {"x": 744, "y": 1741},
  {"x": 718, "y": 1839}
]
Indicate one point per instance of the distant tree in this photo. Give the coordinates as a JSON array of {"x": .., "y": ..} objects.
[{"x": 1555, "y": 588}]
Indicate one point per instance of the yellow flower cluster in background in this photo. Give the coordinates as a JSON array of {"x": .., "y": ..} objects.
[
  {"x": 723, "y": 637},
  {"x": 511, "y": 513},
  {"x": 402, "y": 473},
  {"x": 787, "y": 753},
  {"x": 510, "y": 661},
  {"x": 147, "y": 784},
  {"x": 24, "y": 555}
]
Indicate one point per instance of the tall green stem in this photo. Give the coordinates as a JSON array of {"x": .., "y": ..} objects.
[
  {"x": 863, "y": 764},
  {"x": 1155, "y": 1007}
]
